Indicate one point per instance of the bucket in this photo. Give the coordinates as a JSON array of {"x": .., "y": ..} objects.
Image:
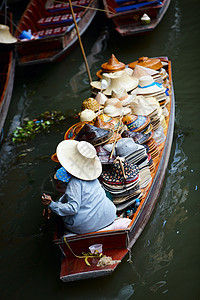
[{"x": 97, "y": 248}]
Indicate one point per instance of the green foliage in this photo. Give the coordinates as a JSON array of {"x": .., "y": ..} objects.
[{"x": 31, "y": 127}]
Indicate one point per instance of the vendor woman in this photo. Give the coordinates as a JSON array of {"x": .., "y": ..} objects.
[{"x": 84, "y": 207}]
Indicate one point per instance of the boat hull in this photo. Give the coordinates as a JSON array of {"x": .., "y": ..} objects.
[
  {"x": 128, "y": 22},
  {"x": 7, "y": 73},
  {"x": 55, "y": 47},
  {"x": 117, "y": 243}
]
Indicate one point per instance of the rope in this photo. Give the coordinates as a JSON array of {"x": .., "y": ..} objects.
[
  {"x": 3, "y": 3},
  {"x": 88, "y": 7},
  {"x": 11, "y": 22},
  {"x": 85, "y": 255}
]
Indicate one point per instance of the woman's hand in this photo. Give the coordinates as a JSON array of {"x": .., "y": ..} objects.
[{"x": 46, "y": 199}]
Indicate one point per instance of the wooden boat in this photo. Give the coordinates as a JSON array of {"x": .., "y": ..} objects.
[
  {"x": 7, "y": 71},
  {"x": 52, "y": 29},
  {"x": 117, "y": 243},
  {"x": 127, "y": 15}
]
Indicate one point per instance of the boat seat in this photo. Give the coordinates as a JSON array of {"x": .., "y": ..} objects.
[
  {"x": 54, "y": 31},
  {"x": 61, "y": 7},
  {"x": 119, "y": 223},
  {"x": 57, "y": 20},
  {"x": 30, "y": 24},
  {"x": 136, "y": 6},
  {"x": 38, "y": 12}
]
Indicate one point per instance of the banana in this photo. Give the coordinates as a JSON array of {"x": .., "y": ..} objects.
[{"x": 86, "y": 261}]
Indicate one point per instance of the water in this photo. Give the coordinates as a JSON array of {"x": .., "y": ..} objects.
[{"x": 165, "y": 259}]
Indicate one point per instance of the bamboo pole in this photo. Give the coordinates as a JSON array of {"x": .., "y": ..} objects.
[{"x": 80, "y": 42}]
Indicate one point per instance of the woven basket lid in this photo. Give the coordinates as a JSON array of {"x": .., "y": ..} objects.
[
  {"x": 144, "y": 61},
  {"x": 90, "y": 103}
]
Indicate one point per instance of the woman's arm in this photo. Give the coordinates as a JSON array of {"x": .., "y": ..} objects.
[{"x": 73, "y": 195}]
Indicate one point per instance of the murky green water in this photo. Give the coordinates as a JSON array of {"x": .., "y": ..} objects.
[{"x": 165, "y": 259}]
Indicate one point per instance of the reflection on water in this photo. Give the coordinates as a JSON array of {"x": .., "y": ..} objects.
[
  {"x": 177, "y": 19},
  {"x": 172, "y": 42},
  {"x": 154, "y": 288},
  {"x": 20, "y": 113},
  {"x": 124, "y": 293},
  {"x": 157, "y": 253}
]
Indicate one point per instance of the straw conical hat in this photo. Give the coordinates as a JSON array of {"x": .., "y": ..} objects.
[
  {"x": 5, "y": 35},
  {"x": 79, "y": 159}
]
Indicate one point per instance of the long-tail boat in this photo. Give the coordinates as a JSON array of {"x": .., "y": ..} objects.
[
  {"x": 46, "y": 31},
  {"x": 7, "y": 67},
  {"x": 118, "y": 243},
  {"x": 135, "y": 17}
]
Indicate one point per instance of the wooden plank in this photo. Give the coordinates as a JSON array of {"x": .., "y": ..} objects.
[
  {"x": 73, "y": 268},
  {"x": 135, "y": 6}
]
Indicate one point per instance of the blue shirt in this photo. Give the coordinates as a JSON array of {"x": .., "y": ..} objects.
[{"x": 84, "y": 206}]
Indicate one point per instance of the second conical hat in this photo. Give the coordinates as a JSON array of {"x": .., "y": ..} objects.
[{"x": 113, "y": 65}]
